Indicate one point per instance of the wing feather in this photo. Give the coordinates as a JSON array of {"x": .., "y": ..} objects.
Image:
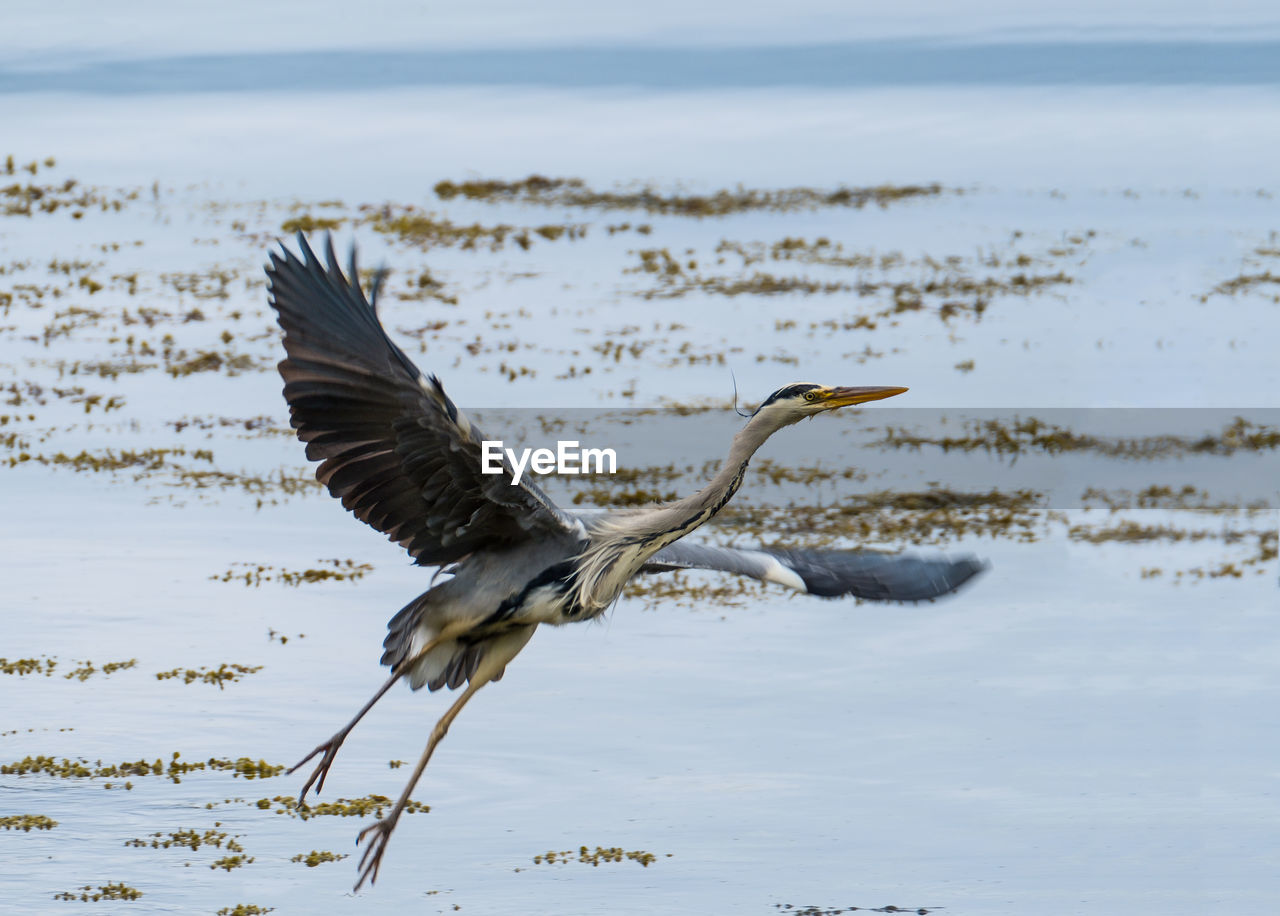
[
  {"x": 390, "y": 443},
  {"x": 829, "y": 573}
]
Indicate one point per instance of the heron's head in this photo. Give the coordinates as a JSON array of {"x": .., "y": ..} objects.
[{"x": 793, "y": 403}]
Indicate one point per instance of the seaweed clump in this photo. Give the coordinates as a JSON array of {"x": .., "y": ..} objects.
[
  {"x": 343, "y": 807},
  {"x": 574, "y": 192},
  {"x": 595, "y": 857},
  {"x": 89, "y": 894}
]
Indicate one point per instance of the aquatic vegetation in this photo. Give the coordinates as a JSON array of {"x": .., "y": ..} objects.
[
  {"x": 174, "y": 770},
  {"x": 1187, "y": 498},
  {"x": 344, "y": 807},
  {"x": 250, "y": 427},
  {"x": 89, "y": 894},
  {"x": 96, "y": 332},
  {"x": 213, "y": 283},
  {"x": 316, "y": 857},
  {"x": 793, "y": 910},
  {"x": 309, "y": 223},
  {"x": 412, "y": 226},
  {"x": 227, "y": 863},
  {"x": 26, "y": 197},
  {"x": 1262, "y": 541},
  {"x": 594, "y": 858},
  {"x": 574, "y": 192},
  {"x": 183, "y": 363},
  {"x": 952, "y": 286},
  {"x": 143, "y": 460},
  {"x": 1244, "y": 283},
  {"x": 190, "y": 839},
  {"x": 45, "y": 665},
  {"x": 222, "y": 675},
  {"x": 1020, "y": 436},
  {"x": 245, "y": 909},
  {"x": 85, "y": 670},
  {"x": 708, "y": 590},
  {"x": 24, "y": 666},
  {"x": 254, "y": 574},
  {"x": 27, "y": 822},
  {"x": 427, "y": 286}
]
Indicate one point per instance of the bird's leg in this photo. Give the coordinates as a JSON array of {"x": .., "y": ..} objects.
[
  {"x": 381, "y": 829},
  {"x": 330, "y": 748},
  {"x": 499, "y": 652}
]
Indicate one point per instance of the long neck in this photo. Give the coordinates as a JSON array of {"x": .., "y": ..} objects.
[
  {"x": 694, "y": 510},
  {"x": 657, "y": 528},
  {"x": 620, "y": 544}
]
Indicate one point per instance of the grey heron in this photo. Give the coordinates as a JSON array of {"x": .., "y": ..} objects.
[{"x": 405, "y": 460}]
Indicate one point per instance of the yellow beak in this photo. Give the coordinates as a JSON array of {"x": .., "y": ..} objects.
[{"x": 845, "y": 397}]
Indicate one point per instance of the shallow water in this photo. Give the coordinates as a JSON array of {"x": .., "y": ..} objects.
[{"x": 1089, "y": 726}]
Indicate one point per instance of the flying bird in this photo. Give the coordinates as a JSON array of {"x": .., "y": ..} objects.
[{"x": 405, "y": 460}]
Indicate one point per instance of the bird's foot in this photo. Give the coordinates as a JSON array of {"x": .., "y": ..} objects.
[
  {"x": 330, "y": 751},
  {"x": 372, "y": 858}
]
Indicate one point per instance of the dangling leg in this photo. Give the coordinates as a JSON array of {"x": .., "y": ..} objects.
[
  {"x": 502, "y": 650},
  {"x": 330, "y": 748}
]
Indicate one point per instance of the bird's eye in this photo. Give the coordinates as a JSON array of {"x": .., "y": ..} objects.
[{"x": 811, "y": 395}]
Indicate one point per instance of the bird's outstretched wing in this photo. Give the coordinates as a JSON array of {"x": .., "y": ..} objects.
[
  {"x": 829, "y": 573},
  {"x": 392, "y": 445}
]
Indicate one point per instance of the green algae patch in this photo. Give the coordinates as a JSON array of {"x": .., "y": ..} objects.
[
  {"x": 274, "y": 635},
  {"x": 1187, "y": 498},
  {"x": 86, "y": 669},
  {"x": 25, "y": 666},
  {"x": 1244, "y": 283},
  {"x": 245, "y": 909},
  {"x": 598, "y": 856},
  {"x": 222, "y": 675},
  {"x": 412, "y": 226},
  {"x": 27, "y": 822},
  {"x": 193, "y": 840},
  {"x": 369, "y": 805},
  {"x": 950, "y": 286},
  {"x": 89, "y": 894},
  {"x": 1032, "y": 435},
  {"x": 142, "y": 461},
  {"x": 189, "y": 839},
  {"x": 574, "y": 192},
  {"x": 1263, "y": 546},
  {"x": 173, "y": 770},
  {"x": 793, "y": 910},
  {"x": 309, "y": 223},
  {"x": 254, "y": 574},
  {"x": 29, "y": 197},
  {"x": 261, "y": 426},
  {"x": 211, "y": 361},
  {"x": 45, "y": 665},
  {"x": 317, "y": 857},
  {"x": 724, "y": 590},
  {"x": 227, "y": 863},
  {"x": 936, "y": 516}
]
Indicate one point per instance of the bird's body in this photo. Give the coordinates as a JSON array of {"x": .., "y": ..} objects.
[{"x": 404, "y": 459}]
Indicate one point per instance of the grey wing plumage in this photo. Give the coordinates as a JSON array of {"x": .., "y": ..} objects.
[
  {"x": 392, "y": 445},
  {"x": 829, "y": 573}
]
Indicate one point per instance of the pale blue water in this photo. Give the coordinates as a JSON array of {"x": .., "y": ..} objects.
[
  {"x": 1068, "y": 736},
  {"x": 865, "y": 65}
]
